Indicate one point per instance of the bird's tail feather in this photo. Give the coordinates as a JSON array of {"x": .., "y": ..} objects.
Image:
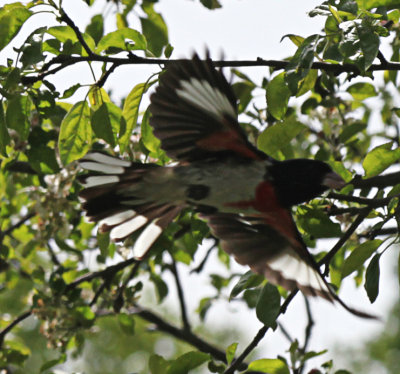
[{"x": 114, "y": 196}]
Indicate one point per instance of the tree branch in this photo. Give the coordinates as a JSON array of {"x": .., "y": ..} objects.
[
  {"x": 380, "y": 181},
  {"x": 260, "y": 335},
  {"x": 136, "y": 60},
  {"x": 70, "y": 23},
  {"x": 7, "y": 329},
  {"x": 181, "y": 334},
  {"x": 107, "y": 272}
]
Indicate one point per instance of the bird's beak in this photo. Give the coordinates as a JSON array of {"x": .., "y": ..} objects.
[{"x": 333, "y": 181}]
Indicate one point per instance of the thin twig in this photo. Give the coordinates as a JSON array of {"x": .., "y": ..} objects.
[
  {"x": 181, "y": 296},
  {"x": 102, "y": 80},
  {"x": 119, "y": 300},
  {"x": 381, "y": 232},
  {"x": 375, "y": 202},
  {"x": 7, "y": 329},
  {"x": 335, "y": 211},
  {"x": 100, "y": 290},
  {"x": 285, "y": 333},
  {"x": 70, "y": 23},
  {"x": 199, "y": 268},
  {"x": 353, "y": 227},
  {"x": 8, "y": 231},
  {"x": 53, "y": 256},
  {"x": 110, "y": 270},
  {"x": 307, "y": 333}
]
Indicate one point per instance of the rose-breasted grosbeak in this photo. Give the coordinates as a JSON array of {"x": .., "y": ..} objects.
[{"x": 244, "y": 195}]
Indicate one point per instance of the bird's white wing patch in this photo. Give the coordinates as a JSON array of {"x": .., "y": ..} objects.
[
  {"x": 104, "y": 159},
  {"x": 102, "y": 168},
  {"x": 100, "y": 180},
  {"x": 294, "y": 268},
  {"x": 202, "y": 95},
  {"x": 127, "y": 228},
  {"x": 118, "y": 218},
  {"x": 146, "y": 239}
]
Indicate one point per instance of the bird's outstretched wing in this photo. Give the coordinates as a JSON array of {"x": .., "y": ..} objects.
[
  {"x": 282, "y": 257},
  {"x": 194, "y": 113},
  {"x": 255, "y": 240}
]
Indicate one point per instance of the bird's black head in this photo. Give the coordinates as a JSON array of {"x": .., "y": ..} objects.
[{"x": 300, "y": 180}]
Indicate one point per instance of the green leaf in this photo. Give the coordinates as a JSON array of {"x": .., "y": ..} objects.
[
  {"x": 379, "y": 159},
  {"x": 41, "y": 157},
  {"x": 4, "y": 136},
  {"x": 126, "y": 323},
  {"x": 270, "y": 366},
  {"x": 103, "y": 241},
  {"x": 268, "y": 305},
  {"x": 98, "y": 96},
  {"x": 230, "y": 352},
  {"x": 247, "y": 280},
  {"x": 361, "y": 91},
  {"x": 369, "y": 4},
  {"x": 70, "y": 91},
  {"x": 277, "y": 136},
  {"x": 49, "y": 364},
  {"x": 168, "y": 50},
  {"x": 158, "y": 364},
  {"x": 369, "y": 43},
  {"x": 96, "y": 27},
  {"x": 204, "y": 306},
  {"x": 17, "y": 115},
  {"x": 297, "y": 40},
  {"x": 348, "y": 131},
  {"x": 63, "y": 33},
  {"x": 308, "y": 83},
  {"x": 278, "y": 95},
  {"x": 154, "y": 29},
  {"x": 12, "y": 17},
  {"x": 106, "y": 122},
  {"x": 32, "y": 49},
  {"x": 311, "y": 354},
  {"x": 149, "y": 140},
  {"x": 161, "y": 286},
  {"x": 75, "y": 133},
  {"x": 124, "y": 39},
  {"x": 130, "y": 113},
  {"x": 317, "y": 223},
  {"x": 243, "y": 91},
  {"x": 188, "y": 361},
  {"x": 359, "y": 255},
  {"x": 66, "y": 35},
  {"x": 372, "y": 278},
  {"x": 304, "y": 56},
  {"x": 211, "y": 4}
]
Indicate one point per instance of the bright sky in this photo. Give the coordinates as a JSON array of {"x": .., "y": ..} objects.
[{"x": 243, "y": 30}]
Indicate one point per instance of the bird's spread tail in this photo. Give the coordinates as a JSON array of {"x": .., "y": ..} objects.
[{"x": 115, "y": 196}]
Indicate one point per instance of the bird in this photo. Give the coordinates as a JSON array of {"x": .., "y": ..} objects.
[{"x": 243, "y": 194}]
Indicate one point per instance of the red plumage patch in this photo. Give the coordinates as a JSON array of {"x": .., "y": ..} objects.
[{"x": 227, "y": 140}]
